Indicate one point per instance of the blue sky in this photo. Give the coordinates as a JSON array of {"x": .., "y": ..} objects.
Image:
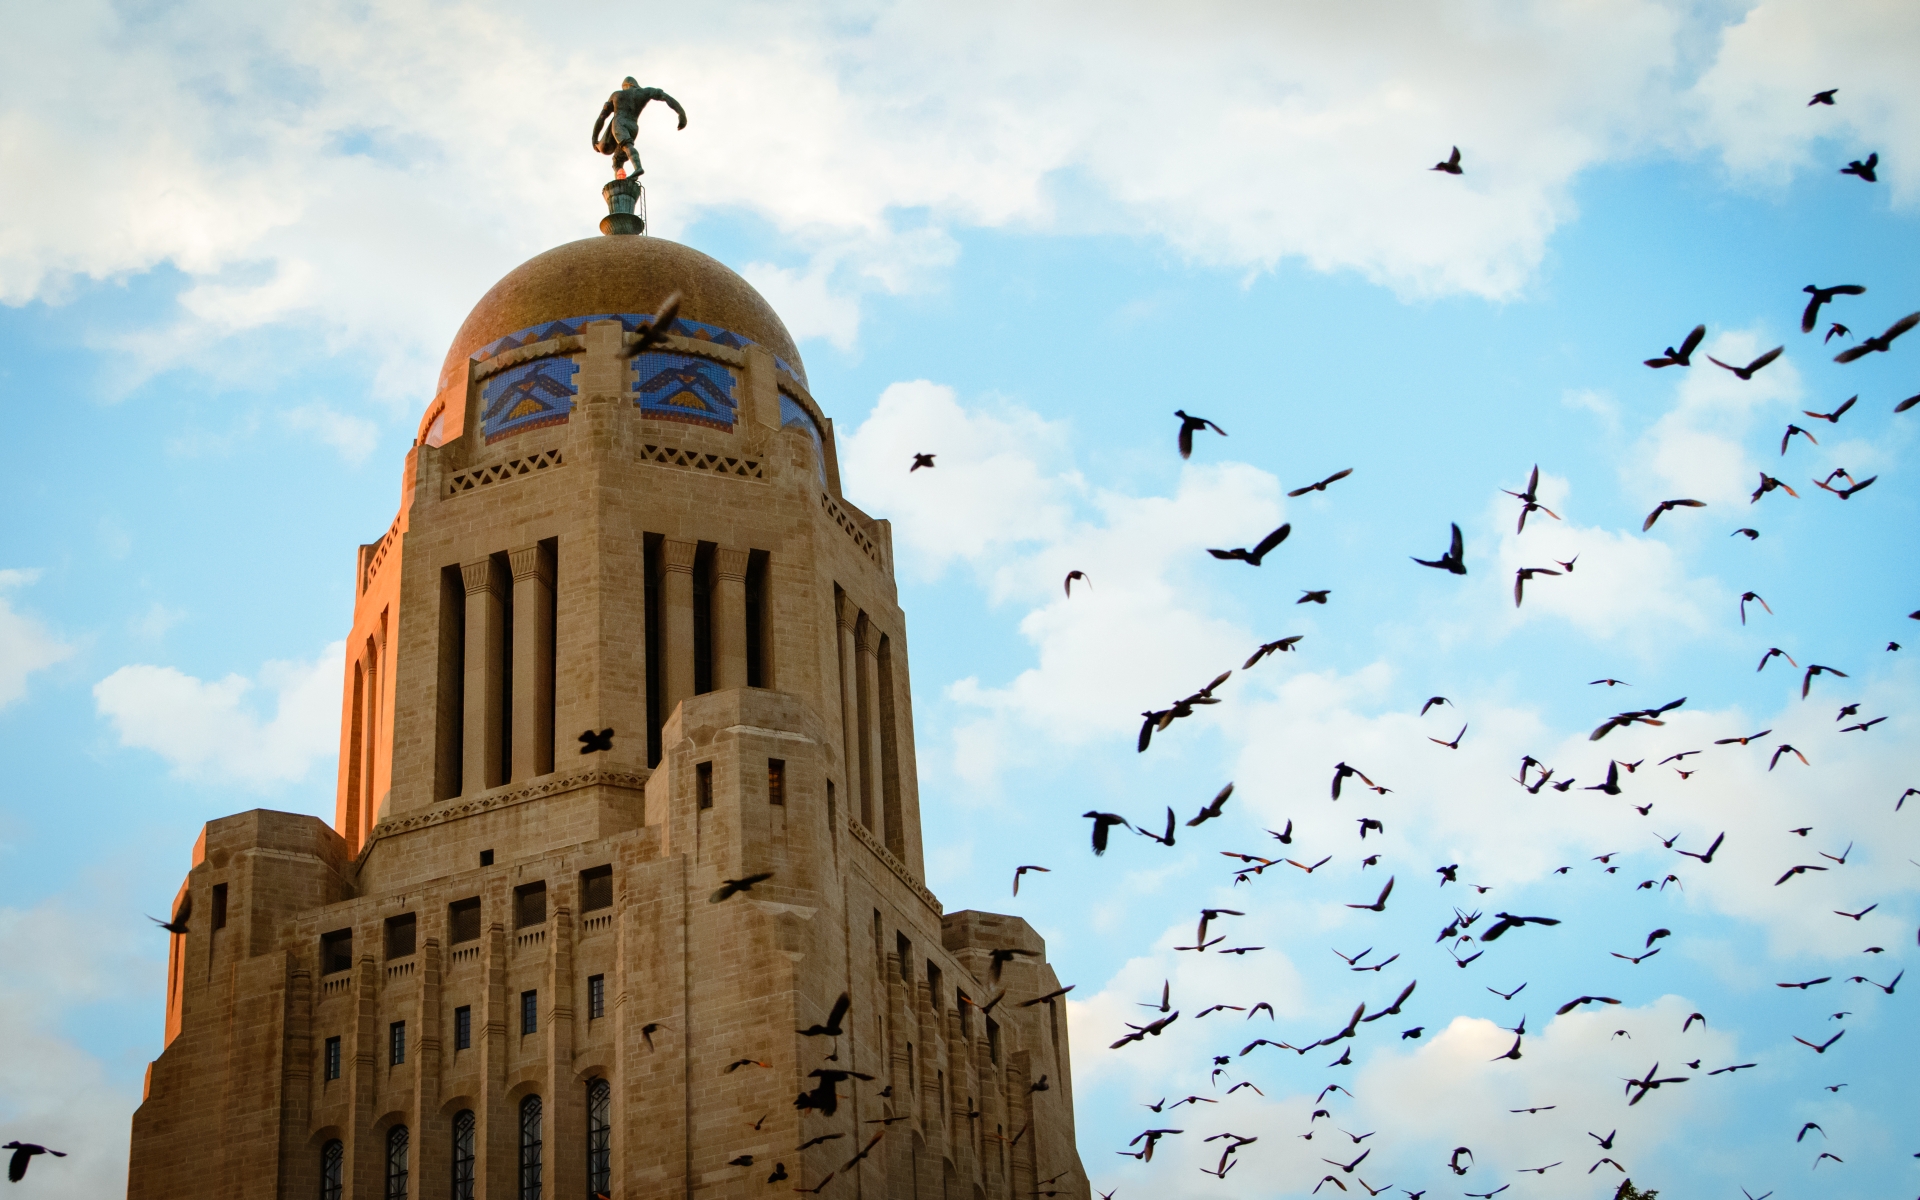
[{"x": 1021, "y": 245}]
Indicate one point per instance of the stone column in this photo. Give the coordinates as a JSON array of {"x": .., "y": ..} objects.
[
  {"x": 872, "y": 785},
  {"x": 486, "y": 646},
  {"x": 848, "y": 616},
  {"x": 729, "y": 619},
  {"x": 676, "y": 625},
  {"x": 532, "y": 663}
]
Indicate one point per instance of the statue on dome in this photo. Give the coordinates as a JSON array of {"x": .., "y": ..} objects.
[{"x": 625, "y": 106}]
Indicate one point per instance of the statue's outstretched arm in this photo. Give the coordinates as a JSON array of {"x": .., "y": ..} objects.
[
  {"x": 606, "y": 110},
  {"x": 675, "y": 106}
]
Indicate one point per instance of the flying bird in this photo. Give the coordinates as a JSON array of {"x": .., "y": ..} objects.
[
  {"x": 1019, "y": 871},
  {"x": 1570, "y": 1005},
  {"x": 1282, "y": 646},
  {"x": 592, "y": 742},
  {"x": 1881, "y": 342},
  {"x": 1433, "y": 700},
  {"x": 177, "y": 926},
  {"x": 1666, "y": 506},
  {"x": 1073, "y": 575},
  {"x": 1747, "y": 371},
  {"x": 1530, "y": 500},
  {"x": 1319, "y": 597},
  {"x": 1379, "y": 904},
  {"x": 1784, "y": 748},
  {"x": 1821, "y": 1048},
  {"x": 1520, "y": 578},
  {"x": 1252, "y": 557},
  {"x": 1767, "y": 484},
  {"x": 23, "y": 1153},
  {"x": 1825, "y": 97},
  {"x": 1509, "y": 921},
  {"x": 1452, "y": 745},
  {"x": 1822, "y": 296},
  {"x": 1212, "y": 808},
  {"x": 1683, "y": 357},
  {"x": 1864, "y": 169},
  {"x": 1751, "y": 533},
  {"x": 920, "y": 460},
  {"x": 1707, "y": 858},
  {"x": 1336, "y": 477},
  {"x": 833, "y": 1026},
  {"x": 1102, "y": 822},
  {"x": 1190, "y": 426},
  {"x": 1453, "y": 560},
  {"x": 1802, "y": 869},
  {"x": 1788, "y": 436},
  {"x": 1832, "y": 418},
  {"x": 1806, "y": 681},
  {"x": 730, "y": 888},
  {"x": 1452, "y": 164}
]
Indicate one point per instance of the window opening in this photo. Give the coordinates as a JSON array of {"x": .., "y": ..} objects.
[
  {"x": 703, "y": 563},
  {"x": 703, "y": 783},
  {"x": 219, "y": 906},
  {"x": 530, "y": 904},
  {"x": 336, "y": 951},
  {"x": 596, "y": 997},
  {"x": 486, "y": 858},
  {"x": 397, "y": 1163},
  {"x": 599, "y": 1136},
  {"x": 904, "y": 949},
  {"x": 450, "y": 694},
  {"x": 653, "y": 556},
  {"x": 333, "y": 1170},
  {"x": 936, "y": 988},
  {"x": 463, "y": 920},
  {"x": 596, "y": 888},
  {"x": 530, "y": 1147},
  {"x": 400, "y": 935},
  {"x": 396, "y": 1043},
  {"x": 331, "y": 1068},
  {"x": 993, "y": 1041},
  {"x": 777, "y": 781},
  {"x": 529, "y": 1013},
  {"x": 463, "y": 1027},
  {"x": 463, "y": 1155}
]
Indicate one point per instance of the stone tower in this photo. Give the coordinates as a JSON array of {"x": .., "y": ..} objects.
[{"x": 625, "y": 641}]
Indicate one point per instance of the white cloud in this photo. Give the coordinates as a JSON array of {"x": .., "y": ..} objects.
[
  {"x": 26, "y": 645},
  {"x": 210, "y": 730},
  {"x": 1697, "y": 449},
  {"x": 1241, "y": 135},
  {"x": 354, "y": 437}
]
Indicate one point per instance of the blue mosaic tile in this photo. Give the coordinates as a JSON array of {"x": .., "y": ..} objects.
[
  {"x": 529, "y": 395},
  {"x": 680, "y": 387},
  {"x": 631, "y": 322},
  {"x": 791, "y": 413}
]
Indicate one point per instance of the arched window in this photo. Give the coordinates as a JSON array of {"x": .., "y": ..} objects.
[
  {"x": 530, "y": 1148},
  {"x": 333, "y": 1169},
  {"x": 463, "y": 1159},
  {"x": 397, "y": 1163},
  {"x": 599, "y": 1137}
]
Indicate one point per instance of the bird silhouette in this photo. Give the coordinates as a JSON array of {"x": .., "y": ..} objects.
[
  {"x": 1019, "y": 871},
  {"x": 1282, "y": 646},
  {"x": 1520, "y": 578},
  {"x": 1822, "y": 296},
  {"x": 1864, "y": 168},
  {"x": 1454, "y": 559},
  {"x": 1747, "y": 371},
  {"x": 1254, "y": 556},
  {"x": 1825, "y": 97},
  {"x": 730, "y": 888},
  {"x": 1683, "y": 357},
  {"x": 1667, "y": 506},
  {"x": 592, "y": 742},
  {"x": 1189, "y": 426},
  {"x": 1319, "y": 597},
  {"x": 1879, "y": 343},
  {"x": 1073, "y": 575},
  {"x": 920, "y": 460},
  {"x": 1102, "y": 822},
  {"x": 23, "y": 1154},
  {"x": 1833, "y": 418},
  {"x": 1321, "y": 486},
  {"x": 1451, "y": 165}
]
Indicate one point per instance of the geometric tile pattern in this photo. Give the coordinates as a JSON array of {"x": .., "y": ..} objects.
[
  {"x": 791, "y": 413},
  {"x": 680, "y": 387},
  {"x": 741, "y": 468},
  {"x": 568, "y": 326},
  {"x": 502, "y": 471},
  {"x": 528, "y": 395}
]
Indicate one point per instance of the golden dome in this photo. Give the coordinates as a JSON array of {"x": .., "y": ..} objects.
[{"x": 618, "y": 275}]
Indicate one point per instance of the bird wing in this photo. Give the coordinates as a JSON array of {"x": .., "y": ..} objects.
[{"x": 1271, "y": 540}]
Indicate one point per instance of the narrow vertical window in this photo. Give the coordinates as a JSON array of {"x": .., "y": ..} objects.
[
  {"x": 463, "y": 1156},
  {"x": 596, "y": 888},
  {"x": 759, "y": 627},
  {"x": 936, "y": 988},
  {"x": 993, "y": 1041},
  {"x": 776, "y": 781},
  {"x": 219, "y": 906},
  {"x": 703, "y": 783},
  {"x": 530, "y": 1147},
  {"x": 397, "y": 1163},
  {"x": 450, "y": 698},
  {"x": 599, "y": 1137},
  {"x": 887, "y": 790},
  {"x": 833, "y": 806},
  {"x": 333, "y": 1170},
  {"x": 596, "y": 997},
  {"x": 529, "y": 1013},
  {"x": 396, "y": 1043},
  {"x": 331, "y": 1070},
  {"x": 879, "y": 945},
  {"x": 463, "y": 1027},
  {"x": 904, "y": 949}
]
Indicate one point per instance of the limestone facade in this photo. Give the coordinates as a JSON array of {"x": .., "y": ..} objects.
[{"x": 501, "y": 974}]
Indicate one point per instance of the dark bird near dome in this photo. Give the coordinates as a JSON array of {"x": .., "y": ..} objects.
[
  {"x": 23, "y": 1153},
  {"x": 1879, "y": 343},
  {"x": 1453, "y": 560},
  {"x": 1570, "y": 1005},
  {"x": 920, "y": 460},
  {"x": 1530, "y": 500},
  {"x": 1452, "y": 164},
  {"x": 1073, "y": 575},
  {"x": 1280, "y": 647},
  {"x": 1821, "y": 296},
  {"x": 1319, "y": 597},
  {"x": 1747, "y": 371},
  {"x": 1520, "y": 578},
  {"x": 832, "y": 1027},
  {"x": 1833, "y": 418},
  {"x": 1864, "y": 169},
  {"x": 592, "y": 742},
  {"x": 1190, "y": 426},
  {"x": 1767, "y": 484},
  {"x": 1212, "y": 808},
  {"x": 730, "y": 888},
  {"x": 1825, "y": 97},
  {"x": 1102, "y": 822},
  {"x": 1683, "y": 357},
  {"x": 1336, "y": 477},
  {"x": 1806, "y": 681},
  {"x": 179, "y": 923},
  {"x": 1019, "y": 871},
  {"x": 655, "y": 331},
  {"x": 1252, "y": 557},
  {"x": 1667, "y": 506}
]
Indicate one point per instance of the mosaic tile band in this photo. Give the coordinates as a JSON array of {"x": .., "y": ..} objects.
[
  {"x": 530, "y": 395},
  {"x": 631, "y": 322}
]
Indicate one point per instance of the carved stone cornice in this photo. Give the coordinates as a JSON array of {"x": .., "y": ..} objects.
[
  {"x": 866, "y": 838},
  {"x": 529, "y": 563},
  {"x": 847, "y": 612},
  {"x": 730, "y": 564},
  {"x": 507, "y": 797},
  {"x": 678, "y": 555},
  {"x": 480, "y": 576},
  {"x": 571, "y": 344}
]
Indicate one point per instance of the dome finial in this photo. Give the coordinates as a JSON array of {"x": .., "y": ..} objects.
[{"x": 624, "y": 195}]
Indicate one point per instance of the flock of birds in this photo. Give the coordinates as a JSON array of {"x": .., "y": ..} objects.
[{"x": 1457, "y": 933}]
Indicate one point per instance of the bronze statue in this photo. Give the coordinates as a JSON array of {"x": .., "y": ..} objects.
[{"x": 625, "y": 106}]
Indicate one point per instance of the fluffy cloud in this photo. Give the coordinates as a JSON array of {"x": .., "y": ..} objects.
[
  {"x": 1697, "y": 449},
  {"x": 295, "y": 162},
  {"x": 26, "y": 645},
  {"x": 353, "y": 437},
  {"x": 210, "y": 730}
]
